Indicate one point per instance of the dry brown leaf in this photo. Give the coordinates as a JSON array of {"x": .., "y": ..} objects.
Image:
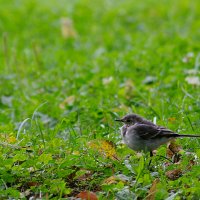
[
  {"x": 174, "y": 147},
  {"x": 172, "y": 119},
  {"x": 12, "y": 139},
  {"x": 8, "y": 137},
  {"x": 173, "y": 151},
  {"x": 191, "y": 163},
  {"x": 104, "y": 147},
  {"x": 87, "y": 195},
  {"x": 192, "y": 160},
  {"x": 110, "y": 180},
  {"x": 152, "y": 190},
  {"x": 174, "y": 174},
  {"x": 115, "y": 179},
  {"x": 68, "y": 101},
  {"x": 67, "y": 28},
  {"x": 33, "y": 183}
]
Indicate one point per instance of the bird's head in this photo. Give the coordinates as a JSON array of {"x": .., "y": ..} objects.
[{"x": 130, "y": 119}]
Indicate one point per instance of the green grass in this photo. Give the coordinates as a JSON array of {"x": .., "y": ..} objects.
[{"x": 59, "y": 94}]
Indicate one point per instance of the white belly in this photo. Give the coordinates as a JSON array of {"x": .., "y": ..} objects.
[{"x": 137, "y": 144}]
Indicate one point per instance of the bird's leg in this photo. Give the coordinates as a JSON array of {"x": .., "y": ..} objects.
[{"x": 151, "y": 155}]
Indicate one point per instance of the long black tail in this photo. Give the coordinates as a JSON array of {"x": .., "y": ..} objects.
[{"x": 187, "y": 135}]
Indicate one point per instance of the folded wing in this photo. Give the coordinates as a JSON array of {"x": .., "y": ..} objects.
[{"x": 146, "y": 132}]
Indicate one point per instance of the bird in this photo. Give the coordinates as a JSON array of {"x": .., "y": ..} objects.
[{"x": 140, "y": 134}]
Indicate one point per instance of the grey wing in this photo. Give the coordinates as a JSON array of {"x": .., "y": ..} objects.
[{"x": 145, "y": 131}]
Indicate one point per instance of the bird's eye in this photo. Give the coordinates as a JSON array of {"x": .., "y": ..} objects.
[{"x": 128, "y": 120}]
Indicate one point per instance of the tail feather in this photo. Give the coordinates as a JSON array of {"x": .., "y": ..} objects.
[{"x": 187, "y": 135}]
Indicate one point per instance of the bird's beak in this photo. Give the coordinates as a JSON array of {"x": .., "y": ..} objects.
[{"x": 118, "y": 120}]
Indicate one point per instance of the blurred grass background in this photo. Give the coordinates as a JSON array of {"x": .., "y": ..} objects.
[
  {"x": 80, "y": 64},
  {"x": 124, "y": 40}
]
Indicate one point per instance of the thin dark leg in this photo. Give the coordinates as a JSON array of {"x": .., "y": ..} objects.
[{"x": 151, "y": 155}]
